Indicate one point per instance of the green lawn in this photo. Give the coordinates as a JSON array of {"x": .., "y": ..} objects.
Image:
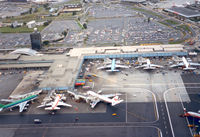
[
  {"x": 172, "y": 22},
  {"x": 185, "y": 27},
  {"x": 79, "y": 24},
  {"x": 147, "y": 11},
  {"x": 28, "y": 17},
  {"x": 23, "y": 29}
]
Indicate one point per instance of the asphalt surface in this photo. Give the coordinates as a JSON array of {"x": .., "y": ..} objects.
[
  {"x": 14, "y": 39},
  {"x": 137, "y": 118},
  {"x": 68, "y": 118},
  {"x": 193, "y": 87},
  {"x": 88, "y": 131},
  {"x": 8, "y": 83}
]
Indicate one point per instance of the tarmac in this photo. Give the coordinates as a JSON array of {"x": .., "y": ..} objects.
[{"x": 152, "y": 104}]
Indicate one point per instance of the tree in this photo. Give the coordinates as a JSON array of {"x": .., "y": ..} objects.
[
  {"x": 46, "y": 42},
  {"x": 47, "y": 23},
  {"x": 74, "y": 13},
  {"x": 30, "y": 11},
  {"x": 64, "y": 33},
  {"x": 46, "y": 6},
  {"x": 85, "y": 26}
]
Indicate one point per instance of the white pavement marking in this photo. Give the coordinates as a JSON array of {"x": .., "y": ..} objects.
[
  {"x": 126, "y": 109},
  {"x": 154, "y": 97},
  {"x": 186, "y": 117},
  {"x": 170, "y": 122}
]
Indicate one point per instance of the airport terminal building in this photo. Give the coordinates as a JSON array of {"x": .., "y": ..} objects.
[{"x": 184, "y": 13}]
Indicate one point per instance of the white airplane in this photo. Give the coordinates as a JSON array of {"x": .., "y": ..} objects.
[
  {"x": 149, "y": 66},
  {"x": 190, "y": 113},
  {"x": 37, "y": 92},
  {"x": 113, "y": 65},
  {"x": 93, "y": 98},
  {"x": 96, "y": 98},
  {"x": 20, "y": 101},
  {"x": 54, "y": 104},
  {"x": 177, "y": 5},
  {"x": 187, "y": 65}
]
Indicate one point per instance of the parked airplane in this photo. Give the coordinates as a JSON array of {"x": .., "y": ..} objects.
[
  {"x": 20, "y": 100},
  {"x": 93, "y": 98},
  {"x": 22, "y": 103},
  {"x": 37, "y": 92},
  {"x": 187, "y": 65},
  {"x": 149, "y": 66},
  {"x": 113, "y": 65},
  {"x": 96, "y": 98},
  {"x": 54, "y": 104},
  {"x": 190, "y": 113}
]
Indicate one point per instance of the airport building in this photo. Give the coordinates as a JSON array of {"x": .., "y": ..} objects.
[
  {"x": 36, "y": 40},
  {"x": 64, "y": 69},
  {"x": 72, "y": 8},
  {"x": 134, "y": 1},
  {"x": 184, "y": 13},
  {"x": 16, "y": 0}
]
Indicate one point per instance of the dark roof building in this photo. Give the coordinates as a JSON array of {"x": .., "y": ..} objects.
[
  {"x": 184, "y": 13},
  {"x": 134, "y": 1}
]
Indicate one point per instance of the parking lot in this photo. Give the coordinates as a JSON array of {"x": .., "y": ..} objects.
[
  {"x": 12, "y": 9},
  {"x": 57, "y": 27},
  {"x": 125, "y": 31},
  {"x": 113, "y": 10},
  {"x": 130, "y": 30},
  {"x": 13, "y": 40}
]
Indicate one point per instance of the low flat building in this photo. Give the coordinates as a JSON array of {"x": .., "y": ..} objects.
[{"x": 72, "y": 8}]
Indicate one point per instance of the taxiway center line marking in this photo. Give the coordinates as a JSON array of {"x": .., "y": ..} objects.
[
  {"x": 186, "y": 117},
  {"x": 126, "y": 109},
  {"x": 170, "y": 122}
]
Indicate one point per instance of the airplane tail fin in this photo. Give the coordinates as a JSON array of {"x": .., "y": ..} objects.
[
  {"x": 185, "y": 111},
  {"x": 116, "y": 100},
  {"x": 1, "y": 107},
  {"x": 115, "y": 70},
  {"x": 50, "y": 108},
  {"x": 189, "y": 68}
]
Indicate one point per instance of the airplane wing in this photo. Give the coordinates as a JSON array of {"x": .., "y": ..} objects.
[
  {"x": 141, "y": 66},
  {"x": 105, "y": 67},
  {"x": 157, "y": 66},
  {"x": 26, "y": 95},
  {"x": 22, "y": 105},
  {"x": 107, "y": 61},
  {"x": 177, "y": 65},
  {"x": 93, "y": 103},
  {"x": 121, "y": 66},
  {"x": 64, "y": 104},
  {"x": 8, "y": 100},
  {"x": 44, "y": 105},
  {"x": 194, "y": 64},
  {"x": 49, "y": 104},
  {"x": 76, "y": 95},
  {"x": 149, "y": 68},
  {"x": 111, "y": 95}
]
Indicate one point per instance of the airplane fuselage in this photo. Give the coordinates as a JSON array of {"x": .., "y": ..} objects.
[
  {"x": 100, "y": 96},
  {"x": 55, "y": 103},
  {"x": 185, "y": 62},
  {"x": 13, "y": 104},
  {"x": 113, "y": 65},
  {"x": 192, "y": 114}
]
